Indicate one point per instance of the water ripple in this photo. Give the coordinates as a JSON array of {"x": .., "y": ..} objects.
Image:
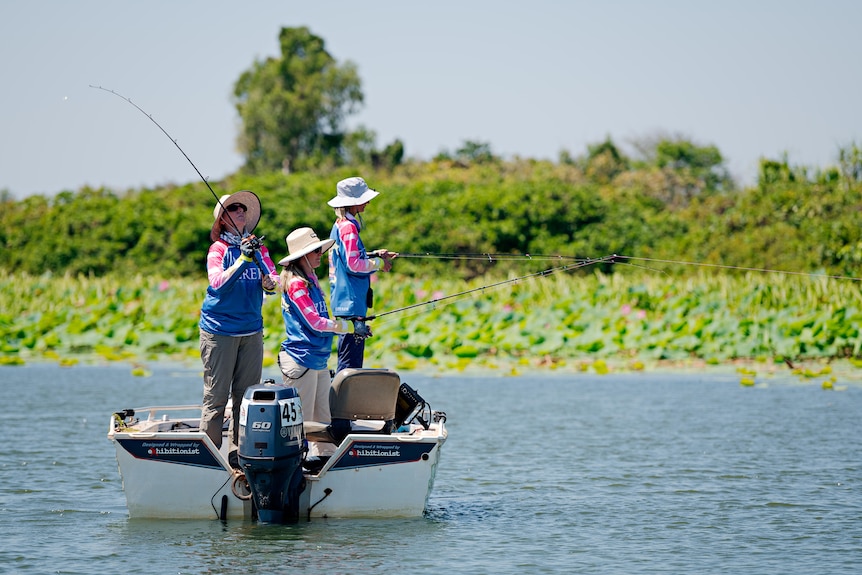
[{"x": 635, "y": 474}]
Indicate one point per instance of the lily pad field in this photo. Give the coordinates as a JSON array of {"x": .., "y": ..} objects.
[{"x": 753, "y": 322}]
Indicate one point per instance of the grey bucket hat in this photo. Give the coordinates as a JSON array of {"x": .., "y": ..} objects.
[{"x": 352, "y": 192}]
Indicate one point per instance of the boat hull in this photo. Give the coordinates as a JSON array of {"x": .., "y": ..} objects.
[
  {"x": 375, "y": 476},
  {"x": 196, "y": 485},
  {"x": 171, "y": 470}
]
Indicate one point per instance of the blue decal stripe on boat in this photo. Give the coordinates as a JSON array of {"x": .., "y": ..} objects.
[
  {"x": 375, "y": 453},
  {"x": 178, "y": 451}
]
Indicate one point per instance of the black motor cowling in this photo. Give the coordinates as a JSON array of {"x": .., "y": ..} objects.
[{"x": 271, "y": 443}]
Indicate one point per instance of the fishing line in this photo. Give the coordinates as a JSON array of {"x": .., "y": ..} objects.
[
  {"x": 543, "y": 273},
  {"x": 739, "y": 268},
  {"x": 509, "y": 257},
  {"x": 578, "y": 263},
  {"x": 256, "y": 242},
  {"x": 129, "y": 100}
]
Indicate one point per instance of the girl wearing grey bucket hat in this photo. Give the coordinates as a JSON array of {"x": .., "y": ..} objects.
[
  {"x": 304, "y": 354},
  {"x": 350, "y": 266}
]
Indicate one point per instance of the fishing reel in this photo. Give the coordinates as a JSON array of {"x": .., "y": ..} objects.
[
  {"x": 255, "y": 242},
  {"x": 124, "y": 419},
  {"x": 361, "y": 330}
]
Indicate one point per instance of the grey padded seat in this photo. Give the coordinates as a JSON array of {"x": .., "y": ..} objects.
[{"x": 357, "y": 395}]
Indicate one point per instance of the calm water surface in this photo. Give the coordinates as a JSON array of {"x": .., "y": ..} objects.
[{"x": 629, "y": 474}]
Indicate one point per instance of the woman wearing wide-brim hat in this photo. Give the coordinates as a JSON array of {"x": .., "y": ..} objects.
[
  {"x": 305, "y": 353},
  {"x": 350, "y": 266},
  {"x": 231, "y": 324}
]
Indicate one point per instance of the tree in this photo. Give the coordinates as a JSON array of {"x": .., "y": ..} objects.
[
  {"x": 358, "y": 149},
  {"x": 703, "y": 162},
  {"x": 391, "y": 156},
  {"x": 474, "y": 152},
  {"x": 293, "y": 108},
  {"x": 674, "y": 170},
  {"x": 604, "y": 162},
  {"x": 850, "y": 160}
]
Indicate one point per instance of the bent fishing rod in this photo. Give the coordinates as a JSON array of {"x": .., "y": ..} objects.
[
  {"x": 255, "y": 241},
  {"x": 579, "y": 264}
]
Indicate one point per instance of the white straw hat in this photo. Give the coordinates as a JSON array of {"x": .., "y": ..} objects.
[
  {"x": 252, "y": 211},
  {"x": 352, "y": 192},
  {"x": 302, "y": 241}
]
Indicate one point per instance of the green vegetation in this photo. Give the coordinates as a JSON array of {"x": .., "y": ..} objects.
[
  {"x": 121, "y": 275},
  {"x": 293, "y": 107},
  {"x": 628, "y": 320},
  {"x": 603, "y": 203}
]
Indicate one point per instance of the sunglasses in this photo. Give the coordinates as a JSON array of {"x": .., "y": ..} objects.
[
  {"x": 318, "y": 251},
  {"x": 234, "y": 207}
]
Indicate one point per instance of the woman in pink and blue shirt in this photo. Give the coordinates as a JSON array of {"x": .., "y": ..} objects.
[
  {"x": 351, "y": 267},
  {"x": 304, "y": 354},
  {"x": 231, "y": 323}
]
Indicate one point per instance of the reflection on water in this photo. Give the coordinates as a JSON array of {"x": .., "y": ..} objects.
[{"x": 633, "y": 474}]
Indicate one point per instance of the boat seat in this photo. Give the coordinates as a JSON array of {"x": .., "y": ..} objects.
[{"x": 357, "y": 395}]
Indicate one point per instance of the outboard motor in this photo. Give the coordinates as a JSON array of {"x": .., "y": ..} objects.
[{"x": 271, "y": 442}]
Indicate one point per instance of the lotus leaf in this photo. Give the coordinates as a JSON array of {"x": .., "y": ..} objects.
[
  {"x": 419, "y": 350},
  {"x": 465, "y": 351}
]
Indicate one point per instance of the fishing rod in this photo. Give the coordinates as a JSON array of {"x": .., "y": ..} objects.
[
  {"x": 547, "y": 272},
  {"x": 619, "y": 259},
  {"x": 255, "y": 241},
  {"x": 580, "y": 263},
  {"x": 490, "y": 257}
]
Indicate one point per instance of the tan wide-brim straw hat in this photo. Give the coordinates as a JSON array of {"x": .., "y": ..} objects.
[
  {"x": 252, "y": 212},
  {"x": 302, "y": 241},
  {"x": 352, "y": 192}
]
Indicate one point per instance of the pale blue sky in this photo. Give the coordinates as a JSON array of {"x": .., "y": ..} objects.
[{"x": 757, "y": 78}]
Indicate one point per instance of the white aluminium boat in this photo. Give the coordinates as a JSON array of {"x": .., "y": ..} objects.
[{"x": 388, "y": 448}]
